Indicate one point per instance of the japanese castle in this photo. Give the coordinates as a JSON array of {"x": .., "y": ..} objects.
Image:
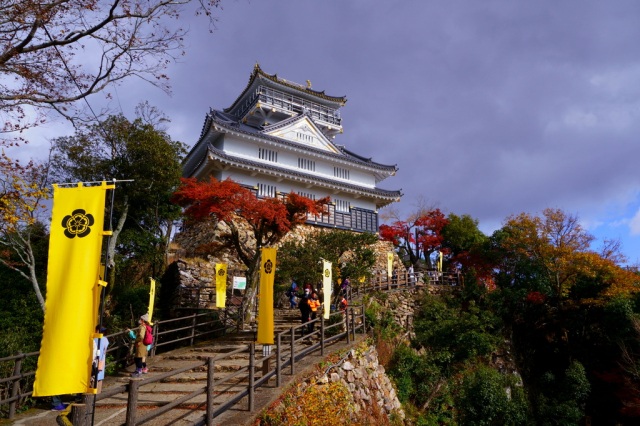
[{"x": 277, "y": 138}]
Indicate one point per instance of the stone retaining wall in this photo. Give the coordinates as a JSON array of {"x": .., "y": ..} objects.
[{"x": 370, "y": 389}]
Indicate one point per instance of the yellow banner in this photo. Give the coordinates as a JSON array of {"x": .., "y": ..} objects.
[
  {"x": 71, "y": 306},
  {"x": 389, "y": 264},
  {"x": 326, "y": 286},
  {"x": 265, "y": 307},
  {"x": 152, "y": 298},
  {"x": 221, "y": 285},
  {"x": 439, "y": 261}
]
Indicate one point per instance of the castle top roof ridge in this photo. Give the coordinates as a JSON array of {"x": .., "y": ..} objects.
[{"x": 307, "y": 90}]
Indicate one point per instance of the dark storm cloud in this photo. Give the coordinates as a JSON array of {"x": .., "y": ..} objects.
[{"x": 489, "y": 108}]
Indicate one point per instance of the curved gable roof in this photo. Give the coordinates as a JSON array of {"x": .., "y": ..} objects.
[
  {"x": 223, "y": 120},
  {"x": 259, "y": 74}
]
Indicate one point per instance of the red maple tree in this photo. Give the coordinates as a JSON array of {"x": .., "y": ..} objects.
[
  {"x": 419, "y": 236},
  {"x": 268, "y": 219}
]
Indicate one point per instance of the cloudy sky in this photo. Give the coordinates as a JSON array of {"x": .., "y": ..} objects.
[{"x": 489, "y": 108}]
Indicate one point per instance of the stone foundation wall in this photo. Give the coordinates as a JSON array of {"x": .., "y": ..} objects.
[
  {"x": 196, "y": 277},
  {"x": 370, "y": 389}
]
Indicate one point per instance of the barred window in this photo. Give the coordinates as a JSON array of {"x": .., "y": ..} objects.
[
  {"x": 268, "y": 155},
  {"x": 306, "y": 164},
  {"x": 307, "y": 194},
  {"x": 342, "y": 205},
  {"x": 304, "y": 137},
  {"x": 339, "y": 172},
  {"x": 266, "y": 190}
]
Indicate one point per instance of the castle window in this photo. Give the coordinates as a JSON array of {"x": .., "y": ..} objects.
[
  {"x": 339, "y": 172},
  {"x": 304, "y": 137},
  {"x": 268, "y": 155},
  {"x": 266, "y": 190},
  {"x": 306, "y": 164},
  {"x": 342, "y": 205}
]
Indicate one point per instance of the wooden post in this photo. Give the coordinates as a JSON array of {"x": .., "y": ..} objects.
[
  {"x": 322, "y": 334},
  {"x": 346, "y": 321},
  {"x": 210, "y": 384},
  {"x": 193, "y": 329},
  {"x": 155, "y": 339},
  {"x": 278, "y": 360},
  {"x": 353, "y": 324},
  {"x": 79, "y": 413},
  {"x": 364, "y": 324},
  {"x": 132, "y": 402},
  {"x": 293, "y": 359},
  {"x": 252, "y": 362},
  {"x": 266, "y": 366},
  {"x": 15, "y": 387}
]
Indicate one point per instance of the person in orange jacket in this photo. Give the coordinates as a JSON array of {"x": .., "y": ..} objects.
[{"x": 314, "y": 304}]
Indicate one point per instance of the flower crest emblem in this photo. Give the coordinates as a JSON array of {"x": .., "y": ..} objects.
[
  {"x": 221, "y": 272},
  {"x": 268, "y": 266},
  {"x": 77, "y": 224},
  {"x": 327, "y": 272}
]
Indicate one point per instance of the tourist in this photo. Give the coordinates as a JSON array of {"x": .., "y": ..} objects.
[
  {"x": 343, "y": 305},
  {"x": 140, "y": 349},
  {"x": 100, "y": 357},
  {"x": 292, "y": 293},
  {"x": 305, "y": 309},
  {"x": 56, "y": 403},
  {"x": 314, "y": 304},
  {"x": 345, "y": 287}
]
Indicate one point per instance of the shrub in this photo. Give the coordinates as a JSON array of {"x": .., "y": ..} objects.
[{"x": 489, "y": 398}]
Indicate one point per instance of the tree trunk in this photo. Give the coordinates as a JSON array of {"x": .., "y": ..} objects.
[
  {"x": 111, "y": 249},
  {"x": 250, "y": 305}
]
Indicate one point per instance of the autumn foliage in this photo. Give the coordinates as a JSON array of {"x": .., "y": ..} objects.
[
  {"x": 419, "y": 236},
  {"x": 271, "y": 218}
]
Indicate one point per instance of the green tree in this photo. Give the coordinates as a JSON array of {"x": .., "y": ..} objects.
[
  {"x": 147, "y": 162},
  {"x": 351, "y": 254},
  {"x": 488, "y": 397},
  {"x": 463, "y": 239},
  {"x": 546, "y": 252}
]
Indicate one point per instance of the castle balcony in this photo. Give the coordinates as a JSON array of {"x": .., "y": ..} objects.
[
  {"x": 356, "y": 219},
  {"x": 288, "y": 105}
]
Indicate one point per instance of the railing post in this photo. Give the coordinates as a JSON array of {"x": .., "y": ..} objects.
[
  {"x": 346, "y": 323},
  {"x": 252, "y": 361},
  {"x": 210, "y": 383},
  {"x": 132, "y": 402},
  {"x": 322, "y": 334},
  {"x": 193, "y": 329},
  {"x": 15, "y": 387},
  {"x": 293, "y": 359},
  {"x": 364, "y": 324},
  {"x": 278, "y": 359},
  {"x": 353, "y": 324},
  {"x": 155, "y": 339}
]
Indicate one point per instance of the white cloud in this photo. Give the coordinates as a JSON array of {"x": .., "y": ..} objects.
[{"x": 634, "y": 224}]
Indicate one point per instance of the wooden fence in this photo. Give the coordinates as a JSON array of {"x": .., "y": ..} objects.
[
  {"x": 168, "y": 334},
  {"x": 291, "y": 346},
  {"x": 186, "y": 330}
]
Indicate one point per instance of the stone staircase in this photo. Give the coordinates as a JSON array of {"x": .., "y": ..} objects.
[{"x": 112, "y": 410}]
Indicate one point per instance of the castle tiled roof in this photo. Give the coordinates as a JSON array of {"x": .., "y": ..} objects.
[
  {"x": 228, "y": 122},
  {"x": 275, "y": 170},
  {"x": 259, "y": 73}
]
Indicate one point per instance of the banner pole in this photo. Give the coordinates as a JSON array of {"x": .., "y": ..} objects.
[{"x": 102, "y": 294}]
